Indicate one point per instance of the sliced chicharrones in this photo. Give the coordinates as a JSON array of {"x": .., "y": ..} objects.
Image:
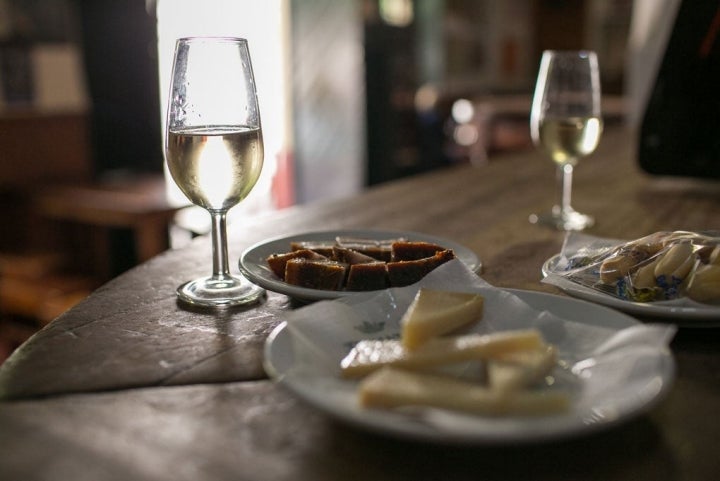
[{"x": 369, "y": 264}]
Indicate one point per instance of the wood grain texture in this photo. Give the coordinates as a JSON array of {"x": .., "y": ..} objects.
[{"x": 129, "y": 385}]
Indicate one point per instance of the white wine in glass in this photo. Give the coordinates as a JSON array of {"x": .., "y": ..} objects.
[
  {"x": 214, "y": 149},
  {"x": 565, "y": 122}
]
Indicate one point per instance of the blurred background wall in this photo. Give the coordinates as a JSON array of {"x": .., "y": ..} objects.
[
  {"x": 353, "y": 93},
  {"x": 352, "y": 85}
]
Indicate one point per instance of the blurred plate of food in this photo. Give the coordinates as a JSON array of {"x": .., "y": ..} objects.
[{"x": 672, "y": 275}]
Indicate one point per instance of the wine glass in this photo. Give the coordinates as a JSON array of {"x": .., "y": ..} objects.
[
  {"x": 565, "y": 123},
  {"x": 214, "y": 149}
]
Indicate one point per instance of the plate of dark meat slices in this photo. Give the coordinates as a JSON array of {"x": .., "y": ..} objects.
[{"x": 331, "y": 264}]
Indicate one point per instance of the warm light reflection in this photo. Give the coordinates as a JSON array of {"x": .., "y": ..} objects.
[
  {"x": 426, "y": 98},
  {"x": 466, "y": 135},
  {"x": 462, "y": 111},
  {"x": 398, "y": 13},
  {"x": 593, "y": 130},
  {"x": 215, "y": 178}
]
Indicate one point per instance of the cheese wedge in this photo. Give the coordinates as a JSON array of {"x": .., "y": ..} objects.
[
  {"x": 370, "y": 355},
  {"x": 517, "y": 370},
  {"x": 392, "y": 387},
  {"x": 433, "y": 313}
]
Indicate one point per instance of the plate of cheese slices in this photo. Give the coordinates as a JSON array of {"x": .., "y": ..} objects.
[{"x": 452, "y": 359}]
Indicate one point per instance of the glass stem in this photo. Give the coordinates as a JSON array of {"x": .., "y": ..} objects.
[
  {"x": 565, "y": 175},
  {"x": 221, "y": 271}
]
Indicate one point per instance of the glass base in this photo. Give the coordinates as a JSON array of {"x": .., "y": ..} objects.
[
  {"x": 569, "y": 220},
  {"x": 219, "y": 292}
]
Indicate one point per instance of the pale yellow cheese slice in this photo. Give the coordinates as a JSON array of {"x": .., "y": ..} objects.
[
  {"x": 433, "y": 313},
  {"x": 517, "y": 370},
  {"x": 370, "y": 355},
  {"x": 392, "y": 387}
]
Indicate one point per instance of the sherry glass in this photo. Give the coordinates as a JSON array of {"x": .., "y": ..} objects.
[
  {"x": 565, "y": 123},
  {"x": 214, "y": 149}
]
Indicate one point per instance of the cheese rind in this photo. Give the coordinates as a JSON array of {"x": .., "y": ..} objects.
[
  {"x": 392, "y": 387},
  {"x": 434, "y": 313},
  {"x": 370, "y": 355}
]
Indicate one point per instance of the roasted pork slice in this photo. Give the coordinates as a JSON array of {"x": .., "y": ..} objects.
[
  {"x": 367, "y": 276},
  {"x": 379, "y": 249},
  {"x": 324, "y": 274},
  {"x": 277, "y": 262},
  {"x": 349, "y": 256},
  {"x": 324, "y": 248},
  {"x": 404, "y": 273},
  {"x": 413, "y": 250}
]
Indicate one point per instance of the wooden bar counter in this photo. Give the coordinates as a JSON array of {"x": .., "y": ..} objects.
[{"x": 128, "y": 385}]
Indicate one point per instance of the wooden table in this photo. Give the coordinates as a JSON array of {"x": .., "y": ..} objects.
[
  {"x": 139, "y": 204},
  {"x": 128, "y": 385}
]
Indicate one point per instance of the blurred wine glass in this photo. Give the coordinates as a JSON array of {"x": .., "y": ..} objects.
[
  {"x": 214, "y": 149},
  {"x": 565, "y": 123}
]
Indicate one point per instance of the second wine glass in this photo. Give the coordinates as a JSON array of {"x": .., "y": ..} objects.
[
  {"x": 214, "y": 149},
  {"x": 565, "y": 122}
]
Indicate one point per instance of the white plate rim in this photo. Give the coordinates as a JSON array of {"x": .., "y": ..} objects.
[
  {"x": 278, "y": 359},
  {"x": 253, "y": 266},
  {"x": 685, "y": 316}
]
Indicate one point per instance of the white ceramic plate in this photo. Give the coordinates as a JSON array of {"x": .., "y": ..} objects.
[
  {"x": 684, "y": 313},
  {"x": 254, "y": 266},
  {"x": 610, "y": 389}
]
